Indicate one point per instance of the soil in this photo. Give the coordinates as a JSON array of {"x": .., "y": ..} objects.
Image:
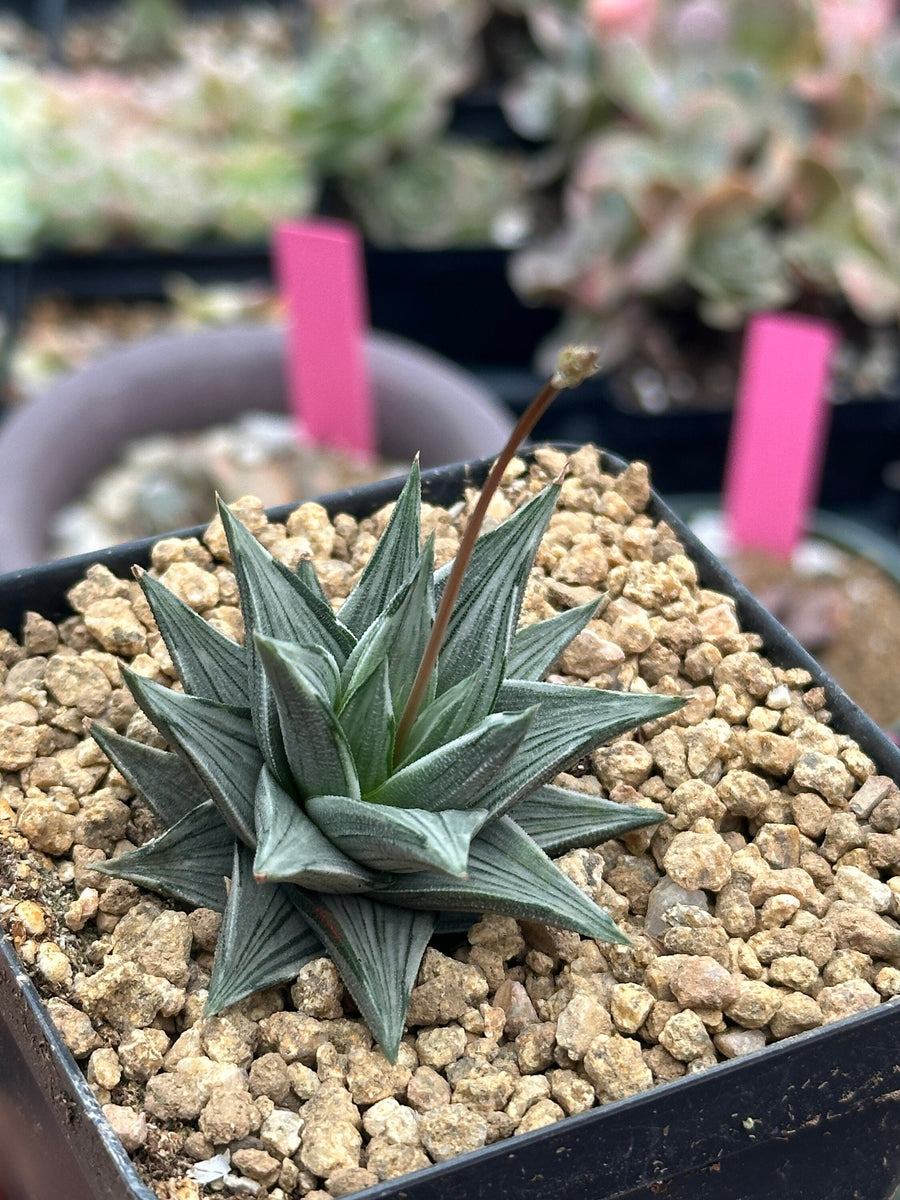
[
  {"x": 847, "y": 614},
  {"x": 680, "y": 365},
  {"x": 766, "y": 903}
]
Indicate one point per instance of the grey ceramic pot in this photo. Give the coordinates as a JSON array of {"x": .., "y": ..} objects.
[{"x": 52, "y": 448}]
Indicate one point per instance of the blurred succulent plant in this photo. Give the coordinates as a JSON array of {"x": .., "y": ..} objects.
[
  {"x": 744, "y": 153},
  {"x": 226, "y": 136},
  {"x": 445, "y": 193}
]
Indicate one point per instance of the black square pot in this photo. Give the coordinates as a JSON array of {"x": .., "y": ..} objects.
[{"x": 816, "y": 1117}]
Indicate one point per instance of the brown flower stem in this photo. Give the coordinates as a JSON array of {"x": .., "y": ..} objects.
[{"x": 562, "y": 378}]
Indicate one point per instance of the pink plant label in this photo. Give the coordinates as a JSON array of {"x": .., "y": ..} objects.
[
  {"x": 319, "y": 266},
  {"x": 778, "y": 433}
]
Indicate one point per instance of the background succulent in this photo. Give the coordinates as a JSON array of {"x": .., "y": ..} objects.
[
  {"x": 291, "y": 772},
  {"x": 734, "y": 155},
  {"x": 166, "y": 131}
]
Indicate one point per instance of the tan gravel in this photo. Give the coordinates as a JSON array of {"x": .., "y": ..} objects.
[{"x": 767, "y": 903}]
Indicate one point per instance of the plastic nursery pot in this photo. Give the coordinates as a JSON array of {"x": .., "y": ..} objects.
[
  {"x": 52, "y": 447},
  {"x": 817, "y": 1116}
]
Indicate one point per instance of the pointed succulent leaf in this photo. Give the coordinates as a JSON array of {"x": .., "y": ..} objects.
[
  {"x": 276, "y": 603},
  {"x": 399, "y": 635},
  {"x": 164, "y": 779},
  {"x": 188, "y": 862},
  {"x": 377, "y": 948},
  {"x": 291, "y": 849},
  {"x": 208, "y": 663},
  {"x": 536, "y": 647},
  {"x": 455, "y": 775},
  {"x": 396, "y": 839},
  {"x": 314, "y": 664},
  {"x": 444, "y": 719},
  {"x": 392, "y": 562},
  {"x": 264, "y": 940},
  {"x": 306, "y": 573},
  {"x": 570, "y": 721},
  {"x": 216, "y": 739},
  {"x": 508, "y": 873},
  {"x": 559, "y": 818},
  {"x": 367, "y": 719},
  {"x": 487, "y": 608},
  {"x": 318, "y": 754}
]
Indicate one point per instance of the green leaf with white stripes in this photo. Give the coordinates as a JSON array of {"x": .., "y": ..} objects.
[
  {"x": 487, "y": 608},
  {"x": 291, "y": 849},
  {"x": 165, "y": 780},
  {"x": 559, "y": 818},
  {"x": 367, "y": 719},
  {"x": 537, "y": 647},
  {"x": 319, "y": 756},
  {"x": 398, "y": 636},
  {"x": 264, "y": 940},
  {"x": 208, "y": 663},
  {"x": 277, "y": 604},
  {"x": 216, "y": 739},
  {"x": 377, "y": 949},
  {"x": 391, "y": 563},
  {"x": 456, "y": 775},
  {"x": 188, "y": 862},
  {"x": 508, "y": 873},
  {"x": 397, "y": 839},
  {"x": 570, "y": 721}
]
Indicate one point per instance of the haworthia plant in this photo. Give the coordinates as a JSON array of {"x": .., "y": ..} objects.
[{"x": 286, "y": 773}]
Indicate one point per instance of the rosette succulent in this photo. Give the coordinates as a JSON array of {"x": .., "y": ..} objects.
[
  {"x": 347, "y": 814},
  {"x": 732, "y": 155}
]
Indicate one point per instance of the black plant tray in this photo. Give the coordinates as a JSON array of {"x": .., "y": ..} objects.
[
  {"x": 816, "y": 1117},
  {"x": 686, "y": 451},
  {"x": 457, "y": 302}
]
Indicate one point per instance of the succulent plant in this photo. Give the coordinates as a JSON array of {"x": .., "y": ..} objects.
[
  {"x": 356, "y": 774},
  {"x": 732, "y": 154},
  {"x": 191, "y": 128}
]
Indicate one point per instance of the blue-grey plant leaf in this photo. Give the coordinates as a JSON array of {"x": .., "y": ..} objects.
[
  {"x": 164, "y": 779},
  {"x": 216, "y": 739},
  {"x": 208, "y": 663},
  {"x": 291, "y": 849},
  {"x": 487, "y": 609},
  {"x": 570, "y": 721},
  {"x": 314, "y": 664},
  {"x": 377, "y": 949},
  {"x": 306, "y": 573},
  {"x": 397, "y": 839},
  {"x": 320, "y": 759},
  {"x": 508, "y": 873},
  {"x": 444, "y": 719},
  {"x": 455, "y": 775},
  {"x": 277, "y": 604},
  {"x": 537, "y": 647},
  {"x": 392, "y": 561},
  {"x": 274, "y": 600},
  {"x": 188, "y": 862},
  {"x": 367, "y": 719},
  {"x": 399, "y": 635},
  {"x": 264, "y": 939},
  {"x": 559, "y": 818}
]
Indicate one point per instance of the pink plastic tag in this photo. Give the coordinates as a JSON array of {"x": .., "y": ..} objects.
[
  {"x": 319, "y": 266},
  {"x": 778, "y": 433}
]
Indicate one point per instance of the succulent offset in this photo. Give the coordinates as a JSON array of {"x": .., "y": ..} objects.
[{"x": 286, "y": 774}]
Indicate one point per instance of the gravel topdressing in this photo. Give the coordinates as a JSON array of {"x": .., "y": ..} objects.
[{"x": 766, "y": 904}]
